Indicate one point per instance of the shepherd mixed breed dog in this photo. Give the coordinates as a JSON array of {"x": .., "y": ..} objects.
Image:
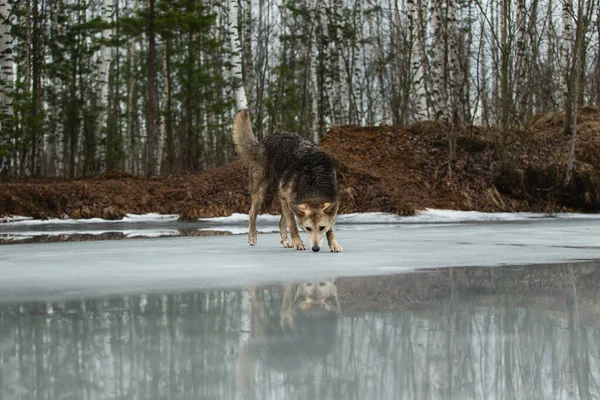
[{"x": 300, "y": 174}]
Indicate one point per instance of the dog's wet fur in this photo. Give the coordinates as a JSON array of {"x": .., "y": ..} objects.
[{"x": 299, "y": 174}]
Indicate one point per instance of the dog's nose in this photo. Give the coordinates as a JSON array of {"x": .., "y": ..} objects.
[{"x": 316, "y": 248}]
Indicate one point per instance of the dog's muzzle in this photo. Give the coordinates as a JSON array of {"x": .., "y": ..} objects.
[{"x": 316, "y": 248}]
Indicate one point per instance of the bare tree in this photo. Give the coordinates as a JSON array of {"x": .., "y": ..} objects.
[
  {"x": 248, "y": 56},
  {"x": 6, "y": 84},
  {"x": 102, "y": 90},
  {"x": 312, "y": 53},
  {"x": 152, "y": 106},
  {"x": 236, "y": 60},
  {"x": 585, "y": 10}
]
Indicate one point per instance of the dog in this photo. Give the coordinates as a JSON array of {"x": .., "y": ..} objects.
[
  {"x": 305, "y": 331},
  {"x": 300, "y": 174}
]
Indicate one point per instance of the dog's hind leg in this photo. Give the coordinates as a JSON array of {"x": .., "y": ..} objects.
[
  {"x": 258, "y": 192},
  {"x": 283, "y": 232}
]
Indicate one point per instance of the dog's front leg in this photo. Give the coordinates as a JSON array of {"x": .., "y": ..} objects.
[
  {"x": 291, "y": 223},
  {"x": 334, "y": 246},
  {"x": 282, "y": 231}
]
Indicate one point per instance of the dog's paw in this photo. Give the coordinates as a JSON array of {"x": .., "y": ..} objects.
[
  {"x": 252, "y": 239},
  {"x": 335, "y": 247},
  {"x": 299, "y": 246},
  {"x": 287, "y": 244}
]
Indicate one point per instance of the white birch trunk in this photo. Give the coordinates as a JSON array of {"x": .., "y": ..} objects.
[
  {"x": 237, "y": 80},
  {"x": 385, "y": 106},
  {"x": 130, "y": 139},
  {"x": 248, "y": 61},
  {"x": 6, "y": 60},
  {"x": 161, "y": 121},
  {"x": 324, "y": 26},
  {"x": 453, "y": 74},
  {"x": 6, "y": 81},
  {"x": 336, "y": 65},
  {"x": 102, "y": 91},
  {"x": 356, "y": 75},
  {"x": 521, "y": 63},
  {"x": 418, "y": 61},
  {"x": 312, "y": 52},
  {"x": 439, "y": 90},
  {"x": 341, "y": 68},
  {"x": 566, "y": 47}
]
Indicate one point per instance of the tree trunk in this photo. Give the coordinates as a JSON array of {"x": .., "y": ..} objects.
[
  {"x": 152, "y": 105},
  {"x": 598, "y": 58},
  {"x": 439, "y": 88},
  {"x": 505, "y": 95},
  {"x": 236, "y": 61},
  {"x": 248, "y": 61},
  {"x": 312, "y": 53},
  {"x": 131, "y": 138},
  {"x": 102, "y": 90},
  {"x": 37, "y": 95},
  {"x": 418, "y": 57},
  {"x": 170, "y": 146},
  {"x": 522, "y": 64},
  {"x": 342, "y": 101},
  {"x": 6, "y": 86},
  {"x": 583, "y": 16},
  {"x": 113, "y": 146},
  {"x": 356, "y": 112},
  {"x": 324, "y": 50},
  {"x": 165, "y": 110},
  {"x": 567, "y": 50}
]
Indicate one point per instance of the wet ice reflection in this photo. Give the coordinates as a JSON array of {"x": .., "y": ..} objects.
[{"x": 514, "y": 332}]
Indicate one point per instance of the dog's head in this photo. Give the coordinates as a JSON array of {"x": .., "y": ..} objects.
[{"x": 316, "y": 220}]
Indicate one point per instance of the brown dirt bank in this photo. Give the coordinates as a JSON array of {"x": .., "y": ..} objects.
[{"x": 387, "y": 168}]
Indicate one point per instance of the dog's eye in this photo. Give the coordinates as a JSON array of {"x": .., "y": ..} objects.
[
  {"x": 321, "y": 228},
  {"x": 309, "y": 229}
]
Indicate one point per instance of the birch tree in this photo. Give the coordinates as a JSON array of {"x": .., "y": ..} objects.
[
  {"x": 418, "y": 55},
  {"x": 584, "y": 12},
  {"x": 237, "y": 80},
  {"x": 6, "y": 85},
  {"x": 248, "y": 56},
  {"x": 152, "y": 105},
  {"x": 439, "y": 97},
  {"x": 312, "y": 54},
  {"x": 102, "y": 91}
]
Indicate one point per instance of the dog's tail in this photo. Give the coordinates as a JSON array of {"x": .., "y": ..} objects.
[{"x": 246, "y": 144}]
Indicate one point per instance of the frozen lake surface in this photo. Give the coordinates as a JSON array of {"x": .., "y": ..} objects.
[
  {"x": 92, "y": 268},
  {"x": 453, "y": 306}
]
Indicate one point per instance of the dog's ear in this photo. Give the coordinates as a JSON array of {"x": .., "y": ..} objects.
[
  {"x": 299, "y": 209},
  {"x": 331, "y": 208}
]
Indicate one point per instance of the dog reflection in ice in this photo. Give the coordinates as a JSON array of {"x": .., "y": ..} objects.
[{"x": 304, "y": 331}]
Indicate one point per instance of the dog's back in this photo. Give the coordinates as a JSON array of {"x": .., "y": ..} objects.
[{"x": 302, "y": 165}]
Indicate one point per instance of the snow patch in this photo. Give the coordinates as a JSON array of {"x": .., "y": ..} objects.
[
  {"x": 129, "y": 218},
  {"x": 426, "y": 216},
  {"x": 18, "y": 236}
]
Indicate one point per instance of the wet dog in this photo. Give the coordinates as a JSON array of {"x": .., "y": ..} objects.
[{"x": 300, "y": 174}]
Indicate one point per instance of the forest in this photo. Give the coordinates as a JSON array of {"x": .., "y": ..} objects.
[{"x": 145, "y": 86}]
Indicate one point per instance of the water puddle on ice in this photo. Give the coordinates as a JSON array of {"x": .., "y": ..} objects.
[{"x": 455, "y": 333}]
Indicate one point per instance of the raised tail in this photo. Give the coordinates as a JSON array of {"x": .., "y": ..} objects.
[{"x": 246, "y": 144}]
